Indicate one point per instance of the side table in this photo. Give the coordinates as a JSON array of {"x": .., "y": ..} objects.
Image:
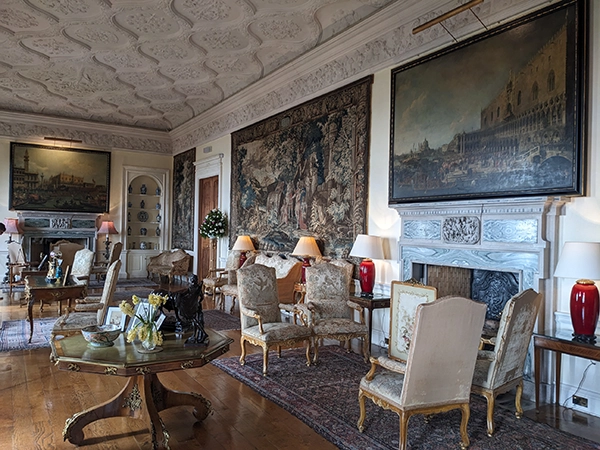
[
  {"x": 371, "y": 303},
  {"x": 560, "y": 343}
]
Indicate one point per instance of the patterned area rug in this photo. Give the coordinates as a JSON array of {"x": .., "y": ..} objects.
[
  {"x": 15, "y": 333},
  {"x": 325, "y": 397}
]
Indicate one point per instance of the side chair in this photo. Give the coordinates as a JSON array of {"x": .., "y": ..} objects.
[
  {"x": 260, "y": 315},
  {"x": 438, "y": 373},
  {"x": 499, "y": 370}
]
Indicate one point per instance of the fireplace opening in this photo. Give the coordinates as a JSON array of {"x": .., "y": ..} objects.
[
  {"x": 492, "y": 287},
  {"x": 38, "y": 247}
]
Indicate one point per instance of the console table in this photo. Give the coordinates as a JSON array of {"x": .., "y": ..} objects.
[
  {"x": 144, "y": 396},
  {"x": 560, "y": 343},
  {"x": 371, "y": 303}
]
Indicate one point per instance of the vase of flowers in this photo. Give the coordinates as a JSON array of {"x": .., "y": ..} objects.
[{"x": 145, "y": 328}]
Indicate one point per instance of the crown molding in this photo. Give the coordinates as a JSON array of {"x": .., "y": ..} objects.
[{"x": 16, "y": 125}]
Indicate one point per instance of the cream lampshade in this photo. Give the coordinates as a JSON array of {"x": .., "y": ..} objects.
[
  {"x": 581, "y": 260},
  {"x": 306, "y": 247},
  {"x": 369, "y": 248},
  {"x": 243, "y": 244},
  {"x": 107, "y": 227}
]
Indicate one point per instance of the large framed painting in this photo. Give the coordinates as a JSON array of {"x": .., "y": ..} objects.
[
  {"x": 406, "y": 296},
  {"x": 499, "y": 115},
  {"x": 183, "y": 200},
  {"x": 304, "y": 172},
  {"x": 58, "y": 179}
]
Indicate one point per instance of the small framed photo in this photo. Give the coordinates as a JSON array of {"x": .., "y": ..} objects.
[
  {"x": 142, "y": 309},
  {"x": 160, "y": 320},
  {"x": 115, "y": 316}
]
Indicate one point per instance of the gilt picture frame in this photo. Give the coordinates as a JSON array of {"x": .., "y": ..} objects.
[
  {"x": 44, "y": 178},
  {"x": 115, "y": 316},
  {"x": 403, "y": 309},
  {"x": 502, "y": 114}
]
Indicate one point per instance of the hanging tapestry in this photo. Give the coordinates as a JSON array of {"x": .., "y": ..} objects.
[
  {"x": 304, "y": 172},
  {"x": 183, "y": 200}
]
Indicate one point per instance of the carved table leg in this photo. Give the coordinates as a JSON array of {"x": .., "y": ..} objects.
[{"x": 142, "y": 398}]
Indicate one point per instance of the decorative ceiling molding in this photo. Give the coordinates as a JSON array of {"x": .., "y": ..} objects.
[{"x": 382, "y": 40}]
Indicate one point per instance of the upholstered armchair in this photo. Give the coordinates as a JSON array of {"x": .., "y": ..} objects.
[
  {"x": 501, "y": 369},
  {"x": 67, "y": 249},
  {"x": 260, "y": 315},
  {"x": 219, "y": 277},
  {"x": 99, "y": 270},
  {"x": 328, "y": 310},
  {"x": 438, "y": 373},
  {"x": 82, "y": 266},
  {"x": 87, "y": 311}
]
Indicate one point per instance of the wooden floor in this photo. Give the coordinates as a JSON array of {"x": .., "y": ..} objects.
[{"x": 36, "y": 399}]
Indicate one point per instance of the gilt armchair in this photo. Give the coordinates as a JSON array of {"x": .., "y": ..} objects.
[
  {"x": 260, "y": 315},
  {"x": 499, "y": 370},
  {"x": 99, "y": 270},
  {"x": 88, "y": 311},
  {"x": 328, "y": 310},
  {"x": 438, "y": 373}
]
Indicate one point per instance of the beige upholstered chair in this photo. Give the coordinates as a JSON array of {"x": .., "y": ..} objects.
[
  {"x": 329, "y": 311},
  {"x": 88, "y": 311},
  {"x": 438, "y": 373},
  {"x": 82, "y": 266},
  {"x": 67, "y": 250},
  {"x": 501, "y": 369},
  {"x": 261, "y": 316},
  {"x": 218, "y": 278},
  {"x": 16, "y": 263},
  {"x": 99, "y": 270}
]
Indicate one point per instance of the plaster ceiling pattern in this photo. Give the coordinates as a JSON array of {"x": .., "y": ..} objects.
[{"x": 154, "y": 63}]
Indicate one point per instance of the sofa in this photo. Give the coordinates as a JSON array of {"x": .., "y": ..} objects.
[{"x": 170, "y": 263}]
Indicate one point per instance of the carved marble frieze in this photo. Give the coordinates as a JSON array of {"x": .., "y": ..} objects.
[{"x": 461, "y": 230}]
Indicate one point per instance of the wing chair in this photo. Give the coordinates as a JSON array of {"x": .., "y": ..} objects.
[
  {"x": 261, "y": 316},
  {"x": 438, "y": 373},
  {"x": 89, "y": 312},
  {"x": 329, "y": 311},
  {"x": 501, "y": 369}
]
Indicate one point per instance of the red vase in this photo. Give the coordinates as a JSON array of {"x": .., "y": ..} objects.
[
  {"x": 585, "y": 308},
  {"x": 367, "y": 276}
]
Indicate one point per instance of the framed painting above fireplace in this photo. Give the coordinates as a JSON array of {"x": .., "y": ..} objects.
[
  {"x": 499, "y": 115},
  {"x": 58, "y": 179}
]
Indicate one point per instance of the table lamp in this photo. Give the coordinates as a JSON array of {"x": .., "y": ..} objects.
[
  {"x": 369, "y": 248},
  {"x": 581, "y": 260},
  {"x": 306, "y": 247},
  {"x": 12, "y": 227},
  {"x": 107, "y": 227},
  {"x": 243, "y": 244}
]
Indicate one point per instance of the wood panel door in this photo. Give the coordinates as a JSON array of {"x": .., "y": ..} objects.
[{"x": 209, "y": 199}]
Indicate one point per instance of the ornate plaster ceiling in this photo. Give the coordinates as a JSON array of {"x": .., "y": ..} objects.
[{"x": 154, "y": 63}]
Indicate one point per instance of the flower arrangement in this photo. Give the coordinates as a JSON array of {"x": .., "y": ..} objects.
[
  {"x": 214, "y": 225},
  {"x": 145, "y": 330}
]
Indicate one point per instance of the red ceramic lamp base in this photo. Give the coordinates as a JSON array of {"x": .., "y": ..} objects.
[
  {"x": 367, "y": 277},
  {"x": 585, "y": 308},
  {"x": 243, "y": 258},
  {"x": 305, "y": 264}
]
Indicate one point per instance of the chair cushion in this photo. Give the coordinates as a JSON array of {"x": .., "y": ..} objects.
[
  {"x": 338, "y": 326},
  {"x": 74, "y": 322},
  {"x": 387, "y": 385},
  {"x": 278, "y": 332}
]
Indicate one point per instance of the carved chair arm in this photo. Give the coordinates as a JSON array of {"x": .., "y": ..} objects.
[
  {"x": 255, "y": 315},
  {"x": 374, "y": 363},
  {"x": 391, "y": 364},
  {"x": 359, "y": 309},
  {"x": 297, "y": 312}
]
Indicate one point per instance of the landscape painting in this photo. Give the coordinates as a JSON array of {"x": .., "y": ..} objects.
[
  {"x": 58, "y": 179},
  {"x": 304, "y": 172},
  {"x": 500, "y": 115}
]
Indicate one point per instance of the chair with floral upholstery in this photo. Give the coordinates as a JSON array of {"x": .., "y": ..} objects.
[
  {"x": 217, "y": 278},
  {"x": 260, "y": 315},
  {"x": 499, "y": 370},
  {"x": 438, "y": 373},
  {"x": 329, "y": 311},
  {"x": 82, "y": 266},
  {"x": 91, "y": 310}
]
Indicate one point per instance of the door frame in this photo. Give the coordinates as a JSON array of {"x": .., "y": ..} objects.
[{"x": 206, "y": 168}]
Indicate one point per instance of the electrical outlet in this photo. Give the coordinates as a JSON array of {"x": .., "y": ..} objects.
[{"x": 580, "y": 401}]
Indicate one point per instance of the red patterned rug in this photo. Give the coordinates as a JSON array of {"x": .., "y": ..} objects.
[{"x": 325, "y": 397}]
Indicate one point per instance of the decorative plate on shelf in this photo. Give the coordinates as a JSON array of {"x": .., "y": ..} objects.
[{"x": 142, "y": 216}]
